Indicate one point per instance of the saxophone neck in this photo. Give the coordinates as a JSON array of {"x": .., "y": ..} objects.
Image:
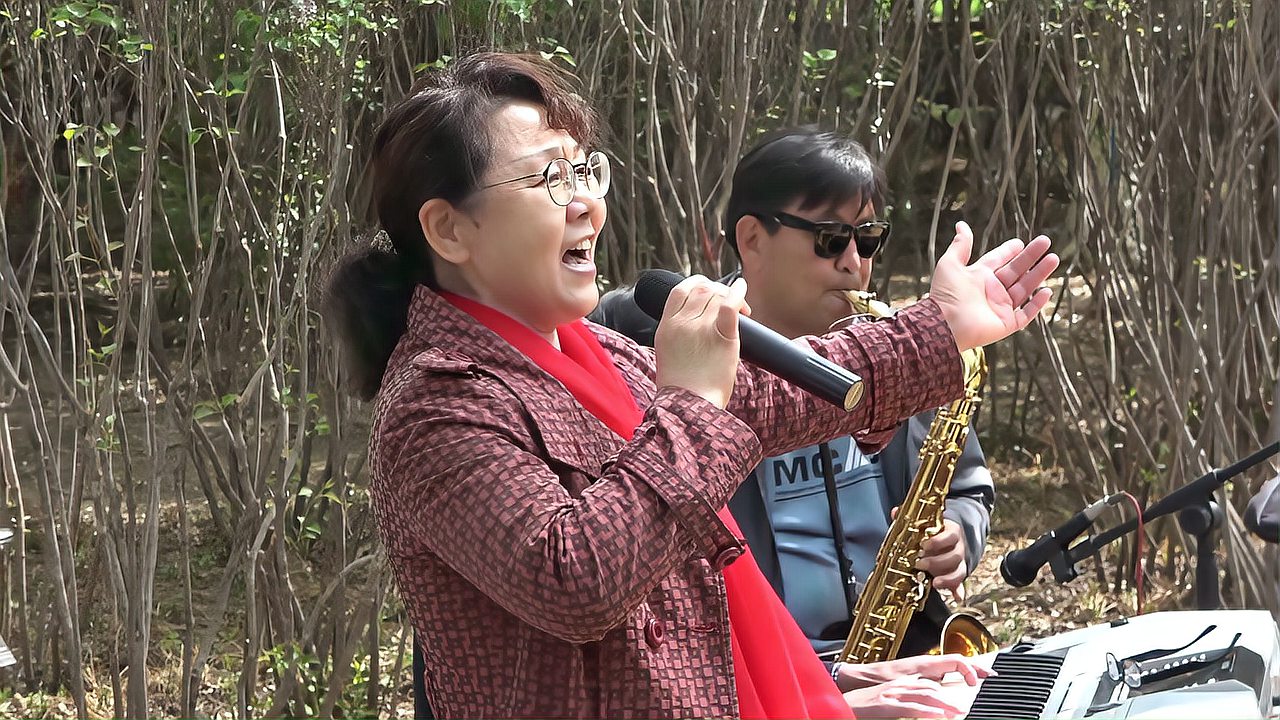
[{"x": 975, "y": 369}]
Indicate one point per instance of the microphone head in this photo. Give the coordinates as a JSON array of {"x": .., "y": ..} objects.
[
  {"x": 1015, "y": 573},
  {"x": 652, "y": 289}
]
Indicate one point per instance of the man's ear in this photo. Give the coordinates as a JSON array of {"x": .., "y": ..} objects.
[
  {"x": 750, "y": 233},
  {"x": 441, "y": 223}
]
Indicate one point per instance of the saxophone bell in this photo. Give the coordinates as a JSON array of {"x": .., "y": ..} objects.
[{"x": 964, "y": 634}]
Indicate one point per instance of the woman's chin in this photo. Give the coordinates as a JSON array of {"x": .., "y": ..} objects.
[
  {"x": 586, "y": 302},
  {"x": 576, "y": 303}
]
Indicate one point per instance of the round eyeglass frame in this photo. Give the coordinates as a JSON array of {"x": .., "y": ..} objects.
[{"x": 561, "y": 178}]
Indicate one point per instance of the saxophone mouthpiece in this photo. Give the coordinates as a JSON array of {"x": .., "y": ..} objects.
[{"x": 864, "y": 302}]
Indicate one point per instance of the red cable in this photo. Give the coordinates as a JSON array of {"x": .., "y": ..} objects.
[{"x": 1137, "y": 565}]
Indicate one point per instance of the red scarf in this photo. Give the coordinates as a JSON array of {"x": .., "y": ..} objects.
[{"x": 778, "y": 675}]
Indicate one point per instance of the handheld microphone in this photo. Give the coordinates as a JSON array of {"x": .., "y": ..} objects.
[
  {"x": 1020, "y": 567},
  {"x": 765, "y": 348}
]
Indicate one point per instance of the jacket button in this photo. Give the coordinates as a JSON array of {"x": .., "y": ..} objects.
[
  {"x": 655, "y": 633},
  {"x": 725, "y": 557}
]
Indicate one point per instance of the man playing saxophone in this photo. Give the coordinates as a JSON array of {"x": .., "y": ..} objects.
[{"x": 802, "y": 217}]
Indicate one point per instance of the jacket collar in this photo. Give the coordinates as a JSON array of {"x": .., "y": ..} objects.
[
  {"x": 441, "y": 337},
  {"x": 434, "y": 322}
]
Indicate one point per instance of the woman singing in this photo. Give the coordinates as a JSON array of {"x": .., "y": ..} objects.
[{"x": 551, "y": 495}]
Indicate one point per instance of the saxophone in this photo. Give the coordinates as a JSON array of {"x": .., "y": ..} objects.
[{"x": 896, "y": 590}]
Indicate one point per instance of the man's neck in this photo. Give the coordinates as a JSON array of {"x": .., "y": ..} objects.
[{"x": 760, "y": 313}]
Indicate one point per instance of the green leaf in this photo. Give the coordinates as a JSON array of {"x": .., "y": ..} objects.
[
  {"x": 954, "y": 115},
  {"x": 826, "y": 54},
  {"x": 98, "y": 17},
  {"x": 111, "y": 129},
  {"x": 101, "y": 151},
  {"x": 228, "y": 400},
  {"x": 204, "y": 409},
  {"x": 71, "y": 131},
  {"x": 115, "y": 245}
]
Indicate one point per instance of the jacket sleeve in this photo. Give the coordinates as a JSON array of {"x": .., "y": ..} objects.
[
  {"x": 908, "y": 363},
  {"x": 972, "y": 494},
  {"x": 456, "y": 473},
  {"x": 1262, "y": 516}
]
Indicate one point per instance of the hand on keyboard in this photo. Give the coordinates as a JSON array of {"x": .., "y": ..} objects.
[
  {"x": 934, "y": 667},
  {"x": 905, "y": 697}
]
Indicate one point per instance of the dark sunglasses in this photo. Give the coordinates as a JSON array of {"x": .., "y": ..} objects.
[{"x": 831, "y": 239}]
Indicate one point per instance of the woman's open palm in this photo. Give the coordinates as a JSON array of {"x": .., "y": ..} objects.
[{"x": 995, "y": 296}]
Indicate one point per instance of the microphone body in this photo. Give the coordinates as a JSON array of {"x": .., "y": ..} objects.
[
  {"x": 1205, "y": 485},
  {"x": 1020, "y": 567},
  {"x": 765, "y": 348}
]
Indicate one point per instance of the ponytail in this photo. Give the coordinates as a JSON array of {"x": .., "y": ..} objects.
[{"x": 367, "y": 299}]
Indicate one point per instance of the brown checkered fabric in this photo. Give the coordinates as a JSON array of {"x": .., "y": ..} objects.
[{"x": 552, "y": 570}]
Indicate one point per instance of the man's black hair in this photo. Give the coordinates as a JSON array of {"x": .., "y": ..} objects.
[{"x": 816, "y": 167}]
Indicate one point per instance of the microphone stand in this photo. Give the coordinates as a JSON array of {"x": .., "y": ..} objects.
[
  {"x": 1201, "y": 519},
  {"x": 1198, "y": 514}
]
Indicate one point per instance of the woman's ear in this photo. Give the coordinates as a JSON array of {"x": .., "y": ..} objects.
[{"x": 440, "y": 225}]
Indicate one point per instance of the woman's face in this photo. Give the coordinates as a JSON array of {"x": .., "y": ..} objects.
[{"x": 526, "y": 255}]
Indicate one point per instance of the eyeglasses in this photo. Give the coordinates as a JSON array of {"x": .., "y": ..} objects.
[
  {"x": 831, "y": 239},
  {"x": 563, "y": 177},
  {"x": 1155, "y": 665}
]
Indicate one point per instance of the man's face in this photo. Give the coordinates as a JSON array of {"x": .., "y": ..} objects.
[{"x": 792, "y": 289}]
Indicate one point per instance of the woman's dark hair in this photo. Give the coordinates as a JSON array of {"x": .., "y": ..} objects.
[
  {"x": 816, "y": 167},
  {"x": 435, "y": 143}
]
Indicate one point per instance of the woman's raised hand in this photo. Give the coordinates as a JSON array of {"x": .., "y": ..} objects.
[
  {"x": 998, "y": 294},
  {"x": 696, "y": 345}
]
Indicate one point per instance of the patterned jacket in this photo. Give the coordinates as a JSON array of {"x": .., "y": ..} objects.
[{"x": 552, "y": 570}]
